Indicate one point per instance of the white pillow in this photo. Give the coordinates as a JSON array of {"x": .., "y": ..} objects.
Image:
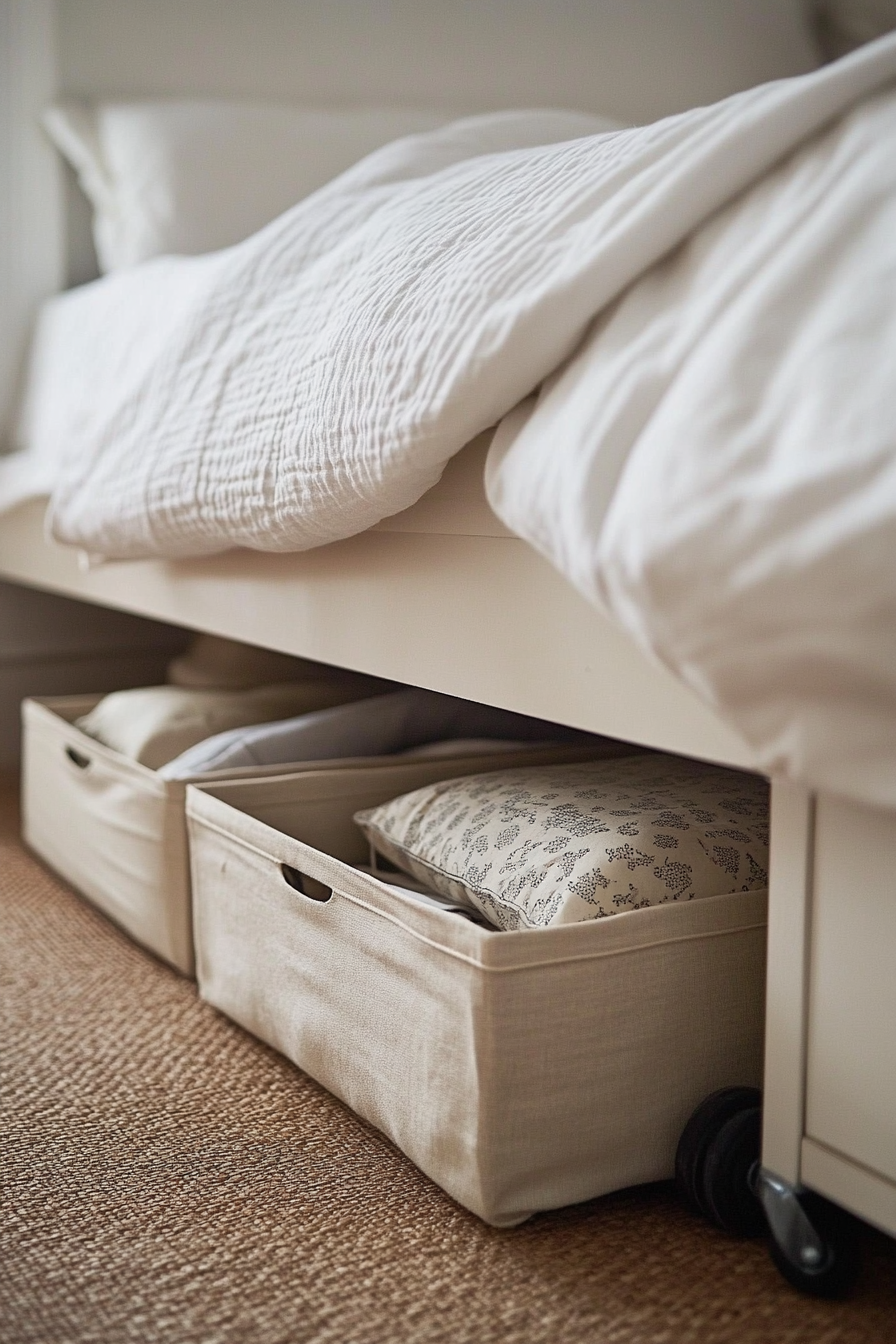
[
  {"x": 561, "y": 844},
  {"x": 153, "y": 724},
  {"x": 188, "y": 177}
]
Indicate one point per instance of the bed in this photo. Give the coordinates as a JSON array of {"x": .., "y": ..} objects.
[{"x": 443, "y": 595}]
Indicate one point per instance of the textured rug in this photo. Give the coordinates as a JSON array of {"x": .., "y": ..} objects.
[{"x": 164, "y": 1177}]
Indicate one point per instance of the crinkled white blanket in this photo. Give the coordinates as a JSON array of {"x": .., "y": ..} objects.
[
  {"x": 713, "y": 465},
  {"x": 299, "y": 387},
  {"x": 716, "y": 466}
]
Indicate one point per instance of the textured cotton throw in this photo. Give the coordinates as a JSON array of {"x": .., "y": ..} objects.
[{"x": 561, "y": 844}]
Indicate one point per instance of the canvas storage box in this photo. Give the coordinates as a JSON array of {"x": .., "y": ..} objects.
[
  {"x": 520, "y": 1071},
  {"x": 117, "y": 832}
]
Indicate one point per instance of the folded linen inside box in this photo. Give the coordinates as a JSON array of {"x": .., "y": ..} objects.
[
  {"x": 403, "y": 885},
  {"x": 400, "y": 721}
]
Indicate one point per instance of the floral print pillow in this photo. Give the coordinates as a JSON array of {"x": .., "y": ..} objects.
[{"x": 560, "y": 844}]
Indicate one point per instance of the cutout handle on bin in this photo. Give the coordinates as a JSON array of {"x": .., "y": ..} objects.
[
  {"x": 308, "y": 886},
  {"x": 77, "y": 758}
]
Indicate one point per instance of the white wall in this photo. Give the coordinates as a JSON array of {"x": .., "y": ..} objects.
[
  {"x": 31, "y": 238},
  {"x": 638, "y": 58},
  {"x": 846, "y": 24}
]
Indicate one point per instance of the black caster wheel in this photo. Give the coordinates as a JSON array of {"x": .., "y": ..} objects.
[
  {"x": 813, "y": 1242},
  {"x": 719, "y": 1147}
]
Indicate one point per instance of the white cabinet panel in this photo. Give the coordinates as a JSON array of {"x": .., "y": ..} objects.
[{"x": 851, "y": 1083}]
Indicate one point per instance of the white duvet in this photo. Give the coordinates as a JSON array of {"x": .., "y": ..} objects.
[
  {"x": 713, "y": 464},
  {"x": 716, "y": 466}
]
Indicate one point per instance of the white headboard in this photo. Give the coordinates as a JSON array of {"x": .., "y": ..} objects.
[{"x": 639, "y": 59}]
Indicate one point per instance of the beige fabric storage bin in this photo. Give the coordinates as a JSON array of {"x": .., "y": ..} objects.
[
  {"x": 109, "y": 826},
  {"x": 117, "y": 831},
  {"x": 520, "y": 1071}
]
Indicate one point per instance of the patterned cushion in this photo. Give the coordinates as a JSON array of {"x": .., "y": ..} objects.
[{"x": 560, "y": 844}]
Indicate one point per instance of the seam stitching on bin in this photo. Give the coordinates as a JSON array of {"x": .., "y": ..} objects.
[
  {"x": 552, "y": 961},
  {"x": 481, "y": 965}
]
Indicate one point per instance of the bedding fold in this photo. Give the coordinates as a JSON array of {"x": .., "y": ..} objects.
[{"x": 315, "y": 378}]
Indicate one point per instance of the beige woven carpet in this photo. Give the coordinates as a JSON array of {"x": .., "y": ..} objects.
[{"x": 167, "y": 1178}]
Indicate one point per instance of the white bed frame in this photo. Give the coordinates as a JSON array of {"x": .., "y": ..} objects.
[{"x": 442, "y": 596}]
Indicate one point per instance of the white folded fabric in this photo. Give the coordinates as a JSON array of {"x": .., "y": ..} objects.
[
  {"x": 465, "y": 746},
  {"x": 379, "y": 726},
  {"x": 153, "y": 724},
  {"x": 405, "y": 885}
]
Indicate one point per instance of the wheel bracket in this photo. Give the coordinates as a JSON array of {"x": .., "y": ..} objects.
[{"x": 789, "y": 1223}]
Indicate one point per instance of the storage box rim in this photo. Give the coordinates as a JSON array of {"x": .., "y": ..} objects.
[
  {"x": 486, "y": 949},
  {"x": 43, "y": 713}
]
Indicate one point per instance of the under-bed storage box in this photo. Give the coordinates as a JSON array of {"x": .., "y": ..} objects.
[
  {"x": 108, "y": 825},
  {"x": 117, "y": 831},
  {"x": 521, "y": 1071}
]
